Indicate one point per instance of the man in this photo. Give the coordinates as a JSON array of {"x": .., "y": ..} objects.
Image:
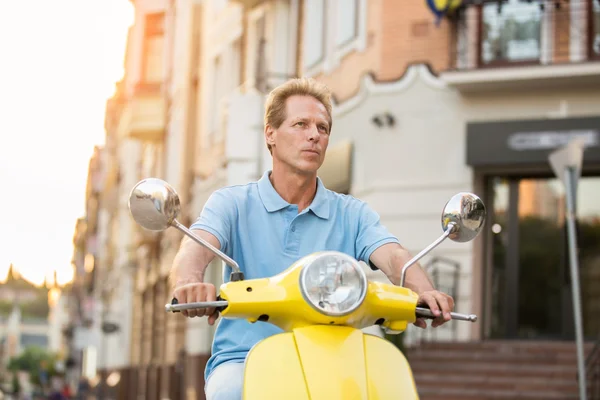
[{"x": 267, "y": 225}]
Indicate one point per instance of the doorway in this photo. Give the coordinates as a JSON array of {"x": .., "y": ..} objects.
[{"x": 530, "y": 290}]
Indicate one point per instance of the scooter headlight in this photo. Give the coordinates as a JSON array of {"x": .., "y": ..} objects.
[{"x": 333, "y": 283}]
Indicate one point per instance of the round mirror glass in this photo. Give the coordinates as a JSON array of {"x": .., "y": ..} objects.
[
  {"x": 468, "y": 213},
  {"x": 154, "y": 204}
]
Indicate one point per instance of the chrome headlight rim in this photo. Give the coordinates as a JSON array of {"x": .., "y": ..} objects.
[{"x": 362, "y": 276}]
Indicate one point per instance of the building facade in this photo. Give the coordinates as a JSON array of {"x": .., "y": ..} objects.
[{"x": 422, "y": 110}]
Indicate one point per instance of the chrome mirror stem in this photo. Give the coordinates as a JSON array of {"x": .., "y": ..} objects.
[
  {"x": 226, "y": 259},
  {"x": 449, "y": 230}
]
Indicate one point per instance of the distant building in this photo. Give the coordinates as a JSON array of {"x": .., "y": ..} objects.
[
  {"x": 17, "y": 289},
  {"x": 23, "y": 317}
]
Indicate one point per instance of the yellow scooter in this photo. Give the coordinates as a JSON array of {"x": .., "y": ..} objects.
[{"x": 321, "y": 302}]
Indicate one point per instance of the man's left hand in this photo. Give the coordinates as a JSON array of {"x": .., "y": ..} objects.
[{"x": 440, "y": 305}]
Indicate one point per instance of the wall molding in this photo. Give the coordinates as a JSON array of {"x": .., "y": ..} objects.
[{"x": 369, "y": 85}]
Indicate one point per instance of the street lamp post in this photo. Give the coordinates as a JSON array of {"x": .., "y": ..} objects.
[{"x": 566, "y": 164}]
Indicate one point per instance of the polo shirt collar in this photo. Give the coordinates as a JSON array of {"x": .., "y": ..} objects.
[
  {"x": 269, "y": 196},
  {"x": 273, "y": 201},
  {"x": 320, "y": 204}
]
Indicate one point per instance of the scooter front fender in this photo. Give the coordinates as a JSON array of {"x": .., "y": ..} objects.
[{"x": 327, "y": 363}]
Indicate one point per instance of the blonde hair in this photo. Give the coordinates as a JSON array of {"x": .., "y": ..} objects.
[{"x": 275, "y": 105}]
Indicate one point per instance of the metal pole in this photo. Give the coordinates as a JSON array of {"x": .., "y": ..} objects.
[{"x": 574, "y": 266}]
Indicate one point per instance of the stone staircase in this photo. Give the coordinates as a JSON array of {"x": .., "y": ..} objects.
[{"x": 495, "y": 370}]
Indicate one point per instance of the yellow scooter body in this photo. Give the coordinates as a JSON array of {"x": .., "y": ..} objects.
[
  {"x": 320, "y": 356},
  {"x": 327, "y": 363}
]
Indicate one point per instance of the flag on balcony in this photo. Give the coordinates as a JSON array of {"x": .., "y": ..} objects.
[{"x": 441, "y": 8}]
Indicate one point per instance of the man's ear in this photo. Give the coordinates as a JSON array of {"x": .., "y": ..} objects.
[{"x": 270, "y": 135}]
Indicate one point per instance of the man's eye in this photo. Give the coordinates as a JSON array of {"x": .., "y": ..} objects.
[{"x": 300, "y": 123}]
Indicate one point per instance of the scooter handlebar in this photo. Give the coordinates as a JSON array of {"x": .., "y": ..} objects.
[
  {"x": 424, "y": 312},
  {"x": 220, "y": 305}
]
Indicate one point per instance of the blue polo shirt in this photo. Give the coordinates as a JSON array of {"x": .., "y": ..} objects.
[{"x": 265, "y": 234}]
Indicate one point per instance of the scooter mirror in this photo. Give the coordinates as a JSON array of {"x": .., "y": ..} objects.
[
  {"x": 468, "y": 213},
  {"x": 154, "y": 204}
]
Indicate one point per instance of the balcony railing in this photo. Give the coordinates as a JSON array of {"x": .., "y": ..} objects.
[{"x": 550, "y": 41}]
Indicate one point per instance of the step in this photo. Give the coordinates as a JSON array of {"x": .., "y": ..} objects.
[
  {"x": 548, "y": 358},
  {"x": 450, "y": 380},
  {"x": 503, "y": 369},
  {"x": 477, "y": 394},
  {"x": 504, "y": 346}
]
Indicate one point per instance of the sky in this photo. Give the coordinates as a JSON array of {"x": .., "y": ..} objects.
[{"x": 59, "y": 62}]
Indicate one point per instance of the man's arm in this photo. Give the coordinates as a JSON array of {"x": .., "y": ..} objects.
[
  {"x": 187, "y": 275},
  {"x": 191, "y": 259},
  {"x": 390, "y": 258},
  {"x": 189, "y": 265}
]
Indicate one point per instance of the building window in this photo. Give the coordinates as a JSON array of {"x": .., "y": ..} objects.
[
  {"x": 314, "y": 32},
  {"x": 595, "y": 37},
  {"x": 153, "y": 57},
  {"x": 332, "y": 29},
  {"x": 346, "y": 23},
  {"x": 510, "y": 32},
  {"x": 272, "y": 43}
]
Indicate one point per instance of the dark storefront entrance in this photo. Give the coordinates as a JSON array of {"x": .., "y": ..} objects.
[
  {"x": 527, "y": 283},
  {"x": 531, "y": 291}
]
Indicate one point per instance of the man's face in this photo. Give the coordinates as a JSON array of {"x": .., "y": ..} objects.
[{"x": 301, "y": 140}]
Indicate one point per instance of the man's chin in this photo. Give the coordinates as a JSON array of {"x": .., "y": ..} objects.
[
  {"x": 309, "y": 168},
  {"x": 301, "y": 166}
]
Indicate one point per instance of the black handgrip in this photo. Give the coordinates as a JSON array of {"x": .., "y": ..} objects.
[
  {"x": 219, "y": 309},
  {"x": 173, "y": 302}
]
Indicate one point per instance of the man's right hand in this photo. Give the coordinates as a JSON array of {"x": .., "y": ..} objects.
[
  {"x": 196, "y": 292},
  {"x": 187, "y": 274}
]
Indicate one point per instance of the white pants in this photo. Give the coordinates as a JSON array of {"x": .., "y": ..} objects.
[{"x": 225, "y": 382}]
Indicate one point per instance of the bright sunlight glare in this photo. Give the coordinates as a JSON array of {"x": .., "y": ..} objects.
[{"x": 60, "y": 62}]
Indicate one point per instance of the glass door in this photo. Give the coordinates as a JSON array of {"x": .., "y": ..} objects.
[{"x": 530, "y": 282}]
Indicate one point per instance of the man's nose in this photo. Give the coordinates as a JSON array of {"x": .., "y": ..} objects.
[{"x": 313, "y": 133}]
